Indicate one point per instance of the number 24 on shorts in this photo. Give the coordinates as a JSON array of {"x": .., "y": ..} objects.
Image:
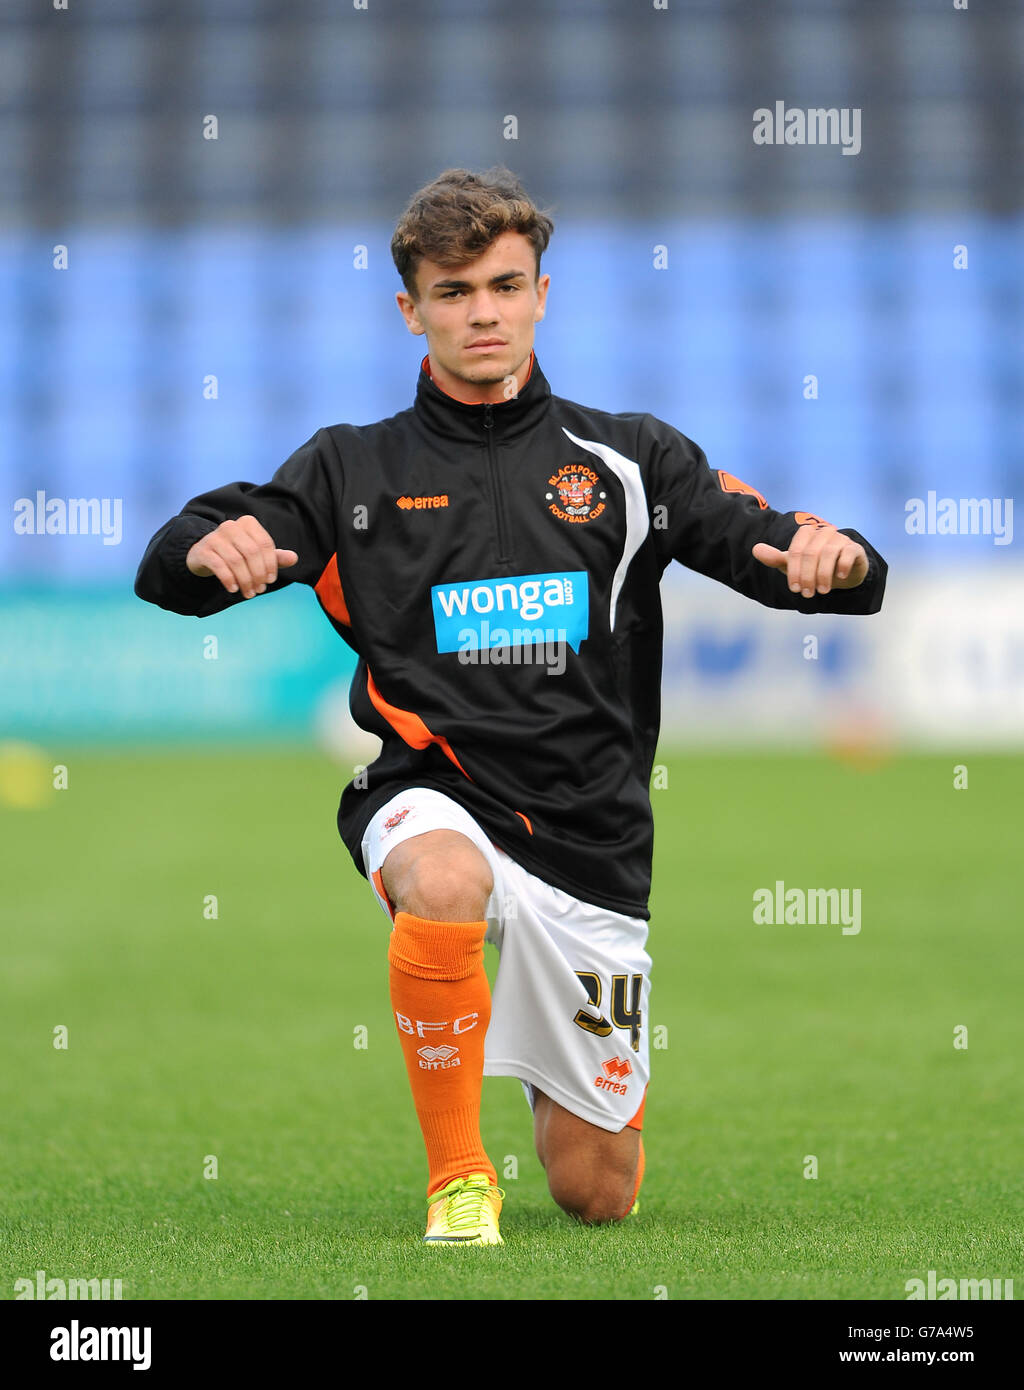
[{"x": 622, "y": 1016}]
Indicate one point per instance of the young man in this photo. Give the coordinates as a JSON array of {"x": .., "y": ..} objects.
[{"x": 493, "y": 555}]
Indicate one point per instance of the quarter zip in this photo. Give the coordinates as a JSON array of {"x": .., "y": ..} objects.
[{"x": 496, "y": 497}]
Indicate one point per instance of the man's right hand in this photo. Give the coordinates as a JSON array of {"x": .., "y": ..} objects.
[{"x": 242, "y": 556}]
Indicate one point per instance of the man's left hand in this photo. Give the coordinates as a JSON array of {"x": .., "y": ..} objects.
[{"x": 819, "y": 558}]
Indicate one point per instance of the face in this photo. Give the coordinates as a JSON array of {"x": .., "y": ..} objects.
[{"x": 495, "y": 301}]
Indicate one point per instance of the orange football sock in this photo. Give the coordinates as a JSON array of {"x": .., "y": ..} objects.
[{"x": 442, "y": 1004}]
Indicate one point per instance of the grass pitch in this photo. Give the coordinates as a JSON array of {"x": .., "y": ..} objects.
[{"x": 193, "y": 1036}]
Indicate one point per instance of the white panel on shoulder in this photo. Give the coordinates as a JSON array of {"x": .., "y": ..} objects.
[{"x": 637, "y": 521}]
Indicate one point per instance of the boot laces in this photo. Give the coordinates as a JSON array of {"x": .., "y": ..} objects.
[{"x": 465, "y": 1203}]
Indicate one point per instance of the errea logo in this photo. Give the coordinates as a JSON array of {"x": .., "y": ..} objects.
[
  {"x": 438, "y": 1058},
  {"x": 421, "y": 504},
  {"x": 616, "y": 1069}
]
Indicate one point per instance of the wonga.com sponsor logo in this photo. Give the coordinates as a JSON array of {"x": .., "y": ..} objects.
[{"x": 492, "y": 611}]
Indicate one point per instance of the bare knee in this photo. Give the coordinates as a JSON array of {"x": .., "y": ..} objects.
[
  {"x": 440, "y": 876},
  {"x": 592, "y": 1172},
  {"x": 592, "y": 1199}
]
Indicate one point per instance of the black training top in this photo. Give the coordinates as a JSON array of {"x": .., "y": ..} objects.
[{"x": 496, "y": 568}]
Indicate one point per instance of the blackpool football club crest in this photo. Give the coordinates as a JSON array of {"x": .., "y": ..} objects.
[
  {"x": 396, "y": 820},
  {"x": 577, "y": 495}
]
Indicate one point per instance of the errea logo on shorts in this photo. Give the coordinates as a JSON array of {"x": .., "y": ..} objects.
[
  {"x": 616, "y": 1069},
  {"x": 489, "y": 612}
]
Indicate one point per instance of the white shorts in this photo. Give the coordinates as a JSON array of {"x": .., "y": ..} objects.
[{"x": 569, "y": 1009}]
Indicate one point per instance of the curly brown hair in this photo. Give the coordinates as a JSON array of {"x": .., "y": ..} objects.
[{"x": 456, "y": 217}]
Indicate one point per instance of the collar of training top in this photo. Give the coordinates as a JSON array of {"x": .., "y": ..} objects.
[{"x": 443, "y": 414}]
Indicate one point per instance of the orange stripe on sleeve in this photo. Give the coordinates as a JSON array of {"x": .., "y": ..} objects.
[
  {"x": 730, "y": 483},
  {"x": 330, "y": 593},
  {"x": 408, "y": 725}
]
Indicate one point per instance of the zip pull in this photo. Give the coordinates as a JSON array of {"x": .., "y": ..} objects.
[{"x": 488, "y": 417}]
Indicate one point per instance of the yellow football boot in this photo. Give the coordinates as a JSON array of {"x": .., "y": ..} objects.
[{"x": 465, "y": 1213}]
